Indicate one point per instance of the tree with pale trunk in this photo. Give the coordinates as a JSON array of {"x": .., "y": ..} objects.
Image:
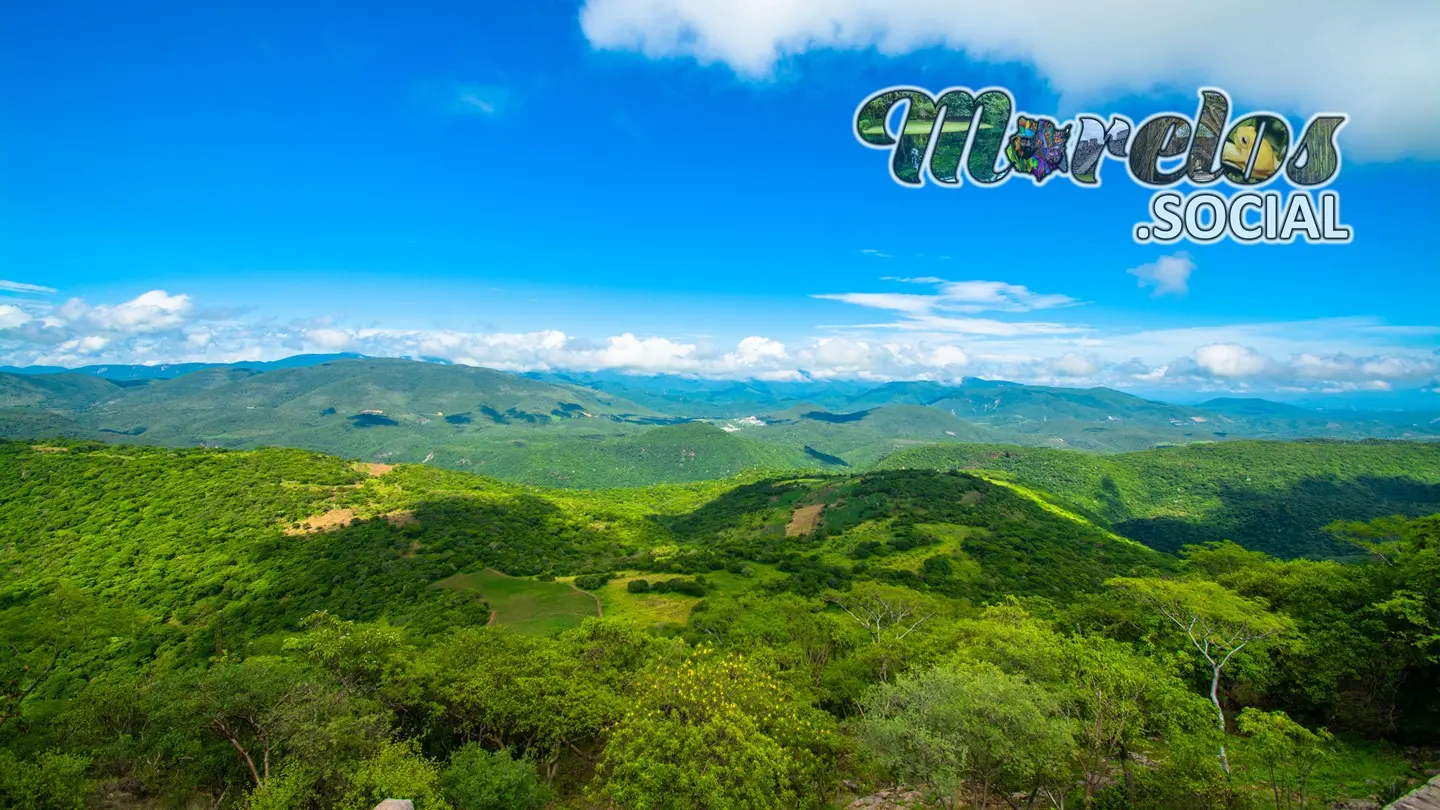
[{"x": 1219, "y": 624}]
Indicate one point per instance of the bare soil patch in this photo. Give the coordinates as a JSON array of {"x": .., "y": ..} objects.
[
  {"x": 376, "y": 470},
  {"x": 334, "y": 519},
  {"x": 398, "y": 519},
  {"x": 804, "y": 520}
]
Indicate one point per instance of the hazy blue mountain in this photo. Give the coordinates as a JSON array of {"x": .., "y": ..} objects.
[
  {"x": 506, "y": 424},
  {"x": 169, "y": 371}
]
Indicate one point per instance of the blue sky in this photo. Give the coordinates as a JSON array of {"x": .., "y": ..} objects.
[{"x": 656, "y": 186}]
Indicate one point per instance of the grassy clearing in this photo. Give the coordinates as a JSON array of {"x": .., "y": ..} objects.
[
  {"x": 527, "y": 605},
  {"x": 652, "y": 610}
]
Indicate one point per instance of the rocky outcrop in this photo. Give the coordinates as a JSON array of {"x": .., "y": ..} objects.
[
  {"x": 893, "y": 799},
  {"x": 1425, "y": 797},
  {"x": 395, "y": 804}
]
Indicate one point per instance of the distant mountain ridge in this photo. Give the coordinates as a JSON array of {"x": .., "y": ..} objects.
[
  {"x": 583, "y": 424},
  {"x": 169, "y": 371}
]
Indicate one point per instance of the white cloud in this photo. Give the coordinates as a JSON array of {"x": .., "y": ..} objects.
[
  {"x": 1167, "y": 274},
  {"x": 926, "y": 313},
  {"x": 150, "y": 312},
  {"x": 956, "y": 296},
  {"x": 1231, "y": 360},
  {"x": 1374, "y": 56},
  {"x": 329, "y": 340},
  {"x": 11, "y": 317},
  {"x": 21, "y": 287},
  {"x": 897, "y": 302},
  {"x": 84, "y": 346},
  {"x": 650, "y": 354},
  {"x": 996, "y": 296},
  {"x": 947, "y": 356},
  {"x": 757, "y": 351},
  {"x": 1074, "y": 365},
  {"x": 987, "y": 327},
  {"x": 1336, "y": 354}
]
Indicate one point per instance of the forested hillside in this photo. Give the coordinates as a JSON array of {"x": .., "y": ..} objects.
[
  {"x": 284, "y": 629},
  {"x": 586, "y": 431},
  {"x": 1275, "y": 497}
]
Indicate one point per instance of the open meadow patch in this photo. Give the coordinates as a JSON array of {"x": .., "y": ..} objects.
[
  {"x": 527, "y": 605},
  {"x": 648, "y": 608}
]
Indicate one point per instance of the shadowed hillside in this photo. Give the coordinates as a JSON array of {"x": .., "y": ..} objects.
[{"x": 1270, "y": 496}]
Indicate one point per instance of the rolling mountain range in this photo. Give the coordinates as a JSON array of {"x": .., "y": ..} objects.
[{"x": 596, "y": 430}]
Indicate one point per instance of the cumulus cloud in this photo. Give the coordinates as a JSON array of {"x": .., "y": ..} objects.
[
  {"x": 1244, "y": 367},
  {"x": 1074, "y": 365},
  {"x": 1375, "y": 54},
  {"x": 1326, "y": 355},
  {"x": 328, "y": 340},
  {"x": 151, "y": 312},
  {"x": 12, "y": 316},
  {"x": 1231, "y": 360},
  {"x": 1169, "y": 275}
]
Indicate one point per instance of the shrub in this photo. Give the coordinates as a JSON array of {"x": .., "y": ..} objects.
[
  {"x": 477, "y": 779},
  {"x": 688, "y": 587},
  {"x": 637, "y": 586},
  {"x": 590, "y": 582},
  {"x": 53, "y": 781}
]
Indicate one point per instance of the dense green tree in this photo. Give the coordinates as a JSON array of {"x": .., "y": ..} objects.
[
  {"x": 54, "y": 780},
  {"x": 716, "y": 731},
  {"x": 397, "y": 770},
  {"x": 970, "y": 723},
  {"x": 41, "y": 638},
  {"x": 355, "y": 656},
  {"x": 477, "y": 779},
  {"x": 1117, "y": 699},
  {"x": 1218, "y": 623}
]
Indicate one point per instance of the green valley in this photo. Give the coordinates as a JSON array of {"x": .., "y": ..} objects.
[
  {"x": 282, "y": 628},
  {"x": 459, "y": 579}
]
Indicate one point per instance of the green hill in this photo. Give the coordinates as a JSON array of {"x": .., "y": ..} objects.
[
  {"x": 390, "y": 410},
  {"x": 689, "y": 452},
  {"x": 239, "y": 544},
  {"x": 1253, "y": 406},
  {"x": 21, "y": 423},
  {"x": 1269, "y": 496},
  {"x": 172, "y": 617},
  {"x": 862, "y": 438},
  {"x": 58, "y": 392},
  {"x": 229, "y": 400},
  {"x": 580, "y": 430}
]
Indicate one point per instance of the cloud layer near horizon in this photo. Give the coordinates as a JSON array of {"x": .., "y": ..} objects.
[
  {"x": 1346, "y": 354},
  {"x": 1297, "y": 56}
]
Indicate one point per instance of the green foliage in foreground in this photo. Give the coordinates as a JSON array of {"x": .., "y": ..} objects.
[
  {"x": 1275, "y": 497},
  {"x": 196, "y": 635},
  {"x": 478, "y": 779}
]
